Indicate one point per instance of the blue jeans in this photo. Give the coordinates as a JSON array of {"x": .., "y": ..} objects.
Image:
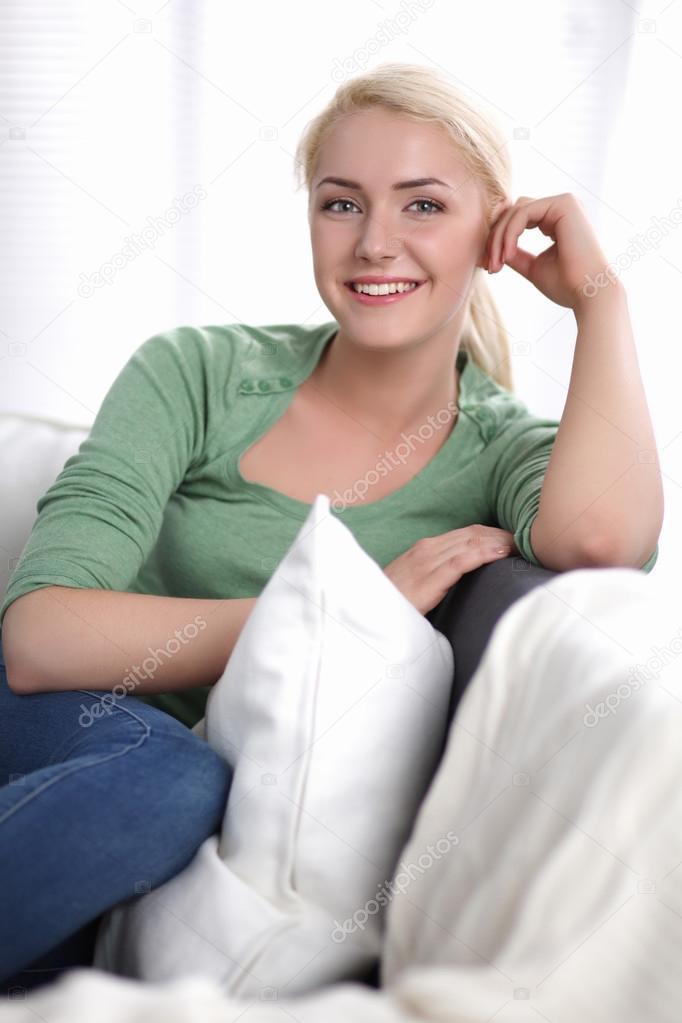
[{"x": 94, "y": 810}]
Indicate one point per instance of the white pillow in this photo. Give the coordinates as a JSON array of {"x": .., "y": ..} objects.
[{"x": 332, "y": 710}]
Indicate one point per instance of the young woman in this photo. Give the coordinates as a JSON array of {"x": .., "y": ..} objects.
[{"x": 152, "y": 545}]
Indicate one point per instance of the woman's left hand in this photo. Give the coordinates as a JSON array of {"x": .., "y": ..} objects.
[{"x": 563, "y": 270}]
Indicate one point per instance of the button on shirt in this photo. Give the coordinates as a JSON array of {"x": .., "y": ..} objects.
[{"x": 154, "y": 502}]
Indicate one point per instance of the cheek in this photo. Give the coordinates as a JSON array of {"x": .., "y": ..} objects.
[
  {"x": 316, "y": 235},
  {"x": 445, "y": 253},
  {"x": 455, "y": 247},
  {"x": 324, "y": 242}
]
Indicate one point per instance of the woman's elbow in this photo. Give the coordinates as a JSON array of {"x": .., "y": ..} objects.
[{"x": 608, "y": 550}]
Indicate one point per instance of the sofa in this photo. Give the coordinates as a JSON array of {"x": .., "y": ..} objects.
[
  {"x": 33, "y": 451},
  {"x": 558, "y": 778}
]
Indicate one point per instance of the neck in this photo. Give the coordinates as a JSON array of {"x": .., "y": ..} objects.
[{"x": 390, "y": 390}]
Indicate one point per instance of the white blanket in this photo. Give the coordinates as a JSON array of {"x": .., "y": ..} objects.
[{"x": 562, "y": 899}]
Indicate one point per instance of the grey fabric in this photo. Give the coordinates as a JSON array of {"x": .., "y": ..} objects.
[{"x": 468, "y": 612}]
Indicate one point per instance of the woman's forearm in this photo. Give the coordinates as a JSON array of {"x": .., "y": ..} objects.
[
  {"x": 59, "y": 638},
  {"x": 602, "y": 496}
]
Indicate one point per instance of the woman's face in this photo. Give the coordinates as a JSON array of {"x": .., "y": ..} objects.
[{"x": 435, "y": 233}]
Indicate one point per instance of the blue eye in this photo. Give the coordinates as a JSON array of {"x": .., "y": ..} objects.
[
  {"x": 332, "y": 202},
  {"x": 436, "y": 207}
]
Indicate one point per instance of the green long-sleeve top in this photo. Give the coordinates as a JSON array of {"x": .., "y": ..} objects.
[{"x": 153, "y": 500}]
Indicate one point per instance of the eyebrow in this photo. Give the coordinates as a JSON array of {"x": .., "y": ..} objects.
[{"x": 414, "y": 183}]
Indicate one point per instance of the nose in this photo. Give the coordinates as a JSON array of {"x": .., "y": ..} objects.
[{"x": 377, "y": 241}]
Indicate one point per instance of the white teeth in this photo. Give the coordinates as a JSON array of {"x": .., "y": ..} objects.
[{"x": 384, "y": 289}]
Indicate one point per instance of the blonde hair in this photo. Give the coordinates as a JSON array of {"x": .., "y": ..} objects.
[{"x": 422, "y": 94}]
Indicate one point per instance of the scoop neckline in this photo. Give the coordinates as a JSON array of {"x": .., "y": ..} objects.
[{"x": 301, "y": 509}]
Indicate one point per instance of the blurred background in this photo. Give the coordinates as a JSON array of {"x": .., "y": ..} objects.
[{"x": 147, "y": 175}]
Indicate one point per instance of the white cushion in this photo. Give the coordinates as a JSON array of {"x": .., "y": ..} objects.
[{"x": 332, "y": 709}]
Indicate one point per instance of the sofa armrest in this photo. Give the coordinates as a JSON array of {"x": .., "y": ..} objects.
[{"x": 469, "y": 611}]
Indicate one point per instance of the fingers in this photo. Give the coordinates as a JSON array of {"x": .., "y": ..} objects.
[
  {"x": 472, "y": 535},
  {"x": 498, "y": 238},
  {"x": 500, "y": 214},
  {"x": 503, "y": 239},
  {"x": 473, "y": 552}
]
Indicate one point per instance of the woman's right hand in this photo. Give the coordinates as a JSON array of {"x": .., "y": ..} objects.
[{"x": 425, "y": 572}]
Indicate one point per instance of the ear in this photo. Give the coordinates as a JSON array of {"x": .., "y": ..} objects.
[
  {"x": 482, "y": 260},
  {"x": 501, "y": 205}
]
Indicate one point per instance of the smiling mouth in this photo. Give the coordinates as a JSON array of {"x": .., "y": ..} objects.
[
  {"x": 385, "y": 299},
  {"x": 414, "y": 284}
]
